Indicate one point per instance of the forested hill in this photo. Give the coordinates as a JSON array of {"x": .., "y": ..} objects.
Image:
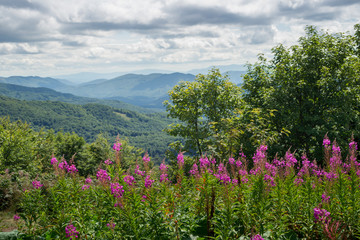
[
  {"x": 47, "y": 94},
  {"x": 88, "y": 120}
]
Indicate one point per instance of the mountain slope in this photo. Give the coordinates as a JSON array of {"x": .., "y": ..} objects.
[{"x": 88, "y": 120}]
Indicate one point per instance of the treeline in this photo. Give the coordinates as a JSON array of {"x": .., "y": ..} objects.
[
  {"x": 303, "y": 93},
  {"x": 89, "y": 120}
]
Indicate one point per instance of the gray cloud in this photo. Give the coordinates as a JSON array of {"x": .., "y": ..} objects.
[{"x": 18, "y": 4}]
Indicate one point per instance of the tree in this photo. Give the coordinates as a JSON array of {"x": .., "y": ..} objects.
[
  {"x": 314, "y": 88},
  {"x": 200, "y": 106}
]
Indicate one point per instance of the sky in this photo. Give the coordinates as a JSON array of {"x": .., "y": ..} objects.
[{"x": 57, "y": 37}]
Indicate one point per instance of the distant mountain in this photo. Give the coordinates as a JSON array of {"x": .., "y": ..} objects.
[
  {"x": 46, "y": 94},
  {"x": 222, "y": 68},
  {"x": 34, "y": 81}
]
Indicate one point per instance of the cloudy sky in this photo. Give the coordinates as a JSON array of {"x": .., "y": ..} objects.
[{"x": 54, "y": 37}]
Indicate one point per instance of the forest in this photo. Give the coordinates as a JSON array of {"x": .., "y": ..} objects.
[{"x": 274, "y": 158}]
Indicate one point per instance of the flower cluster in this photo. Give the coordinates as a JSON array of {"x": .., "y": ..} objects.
[
  {"x": 180, "y": 159},
  {"x": 103, "y": 176},
  {"x": 148, "y": 182},
  {"x": 117, "y": 147},
  {"x": 320, "y": 214},
  {"x": 72, "y": 169},
  {"x": 88, "y": 180},
  {"x": 63, "y": 165},
  {"x": 138, "y": 172},
  {"x": 37, "y": 184},
  {"x": 146, "y": 158},
  {"x": 130, "y": 180},
  {"x": 108, "y": 162},
  {"x": 54, "y": 161},
  {"x": 116, "y": 190},
  {"x": 71, "y": 231},
  {"x": 257, "y": 237}
]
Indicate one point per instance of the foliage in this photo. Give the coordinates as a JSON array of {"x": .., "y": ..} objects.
[
  {"x": 199, "y": 104},
  {"x": 313, "y": 88},
  {"x": 286, "y": 198}
]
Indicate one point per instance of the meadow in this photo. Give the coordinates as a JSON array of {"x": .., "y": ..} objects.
[{"x": 280, "y": 198}]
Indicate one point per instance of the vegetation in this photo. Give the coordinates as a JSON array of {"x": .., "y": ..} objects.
[
  {"x": 286, "y": 198},
  {"x": 89, "y": 120}
]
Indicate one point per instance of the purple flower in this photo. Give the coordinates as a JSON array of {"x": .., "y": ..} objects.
[
  {"x": 298, "y": 181},
  {"x": 88, "y": 180},
  {"x": 180, "y": 159},
  {"x": 257, "y": 237},
  {"x": 353, "y": 145},
  {"x": 148, "y": 182},
  {"x": 164, "y": 177},
  {"x": 129, "y": 180},
  {"x": 108, "y": 162},
  {"x": 269, "y": 180},
  {"x": 63, "y": 165},
  {"x": 320, "y": 214},
  {"x": 138, "y": 172},
  {"x": 71, "y": 231},
  {"x": 116, "y": 190},
  {"x": 243, "y": 172},
  {"x": 84, "y": 187},
  {"x": 290, "y": 159},
  {"x": 325, "y": 198},
  {"x": 194, "y": 170},
  {"x": 103, "y": 176},
  {"x": 143, "y": 198},
  {"x": 16, "y": 217},
  {"x": 37, "y": 184},
  {"x": 231, "y": 161},
  {"x": 238, "y": 163},
  {"x": 111, "y": 225},
  {"x": 72, "y": 169},
  {"x": 204, "y": 162},
  {"x": 54, "y": 161},
  {"x": 163, "y": 167},
  {"x": 326, "y": 142},
  {"x": 260, "y": 154},
  {"x": 117, "y": 147},
  {"x": 146, "y": 158}
]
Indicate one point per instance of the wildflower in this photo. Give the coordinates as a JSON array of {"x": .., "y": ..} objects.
[
  {"x": 231, "y": 161},
  {"x": 260, "y": 154},
  {"x": 163, "y": 167},
  {"x": 129, "y": 180},
  {"x": 290, "y": 159},
  {"x": 298, "y": 181},
  {"x": 103, "y": 176},
  {"x": 143, "y": 198},
  {"x": 238, "y": 163},
  {"x": 326, "y": 142},
  {"x": 146, "y": 158},
  {"x": 63, "y": 165},
  {"x": 194, "y": 170},
  {"x": 204, "y": 162},
  {"x": 37, "y": 184},
  {"x": 108, "y": 162},
  {"x": 118, "y": 204},
  {"x": 180, "y": 159},
  {"x": 138, "y": 172},
  {"x": 325, "y": 198},
  {"x": 353, "y": 145},
  {"x": 244, "y": 180},
  {"x": 242, "y": 172},
  {"x": 72, "y": 169},
  {"x": 16, "y": 217},
  {"x": 71, "y": 231},
  {"x": 148, "y": 182},
  {"x": 84, "y": 187},
  {"x": 54, "y": 161},
  {"x": 116, "y": 190},
  {"x": 111, "y": 225},
  {"x": 164, "y": 177},
  {"x": 320, "y": 214},
  {"x": 269, "y": 180},
  {"x": 257, "y": 237},
  {"x": 117, "y": 147},
  {"x": 88, "y": 180}
]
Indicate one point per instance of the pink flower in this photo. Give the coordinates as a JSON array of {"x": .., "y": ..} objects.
[
  {"x": 257, "y": 237},
  {"x": 16, "y": 217},
  {"x": 117, "y": 147},
  {"x": 71, "y": 231},
  {"x": 53, "y": 161},
  {"x": 148, "y": 182},
  {"x": 146, "y": 158},
  {"x": 84, "y": 187},
  {"x": 103, "y": 176},
  {"x": 116, "y": 190},
  {"x": 72, "y": 169},
  {"x": 88, "y": 180},
  {"x": 326, "y": 142},
  {"x": 108, "y": 162},
  {"x": 129, "y": 180},
  {"x": 138, "y": 172},
  {"x": 231, "y": 161},
  {"x": 320, "y": 214},
  {"x": 180, "y": 159},
  {"x": 163, "y": 167},
  {"x": 111, "y": 225},
  {"x": 63, "y": 165},
  {"x": 37, "y": 184}
]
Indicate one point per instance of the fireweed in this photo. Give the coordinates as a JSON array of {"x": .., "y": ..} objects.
[{"x": 280, "y": 198}]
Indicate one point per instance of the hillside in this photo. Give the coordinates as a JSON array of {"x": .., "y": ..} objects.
[
  {"x": 46, "y": 94},
  {"x": 88, "y": 120}
]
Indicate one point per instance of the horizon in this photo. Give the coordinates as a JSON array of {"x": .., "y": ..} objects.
[{"x": 52, "y": 38}]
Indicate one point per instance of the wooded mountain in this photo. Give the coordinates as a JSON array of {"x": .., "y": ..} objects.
[{"x": 88, "y": 120}]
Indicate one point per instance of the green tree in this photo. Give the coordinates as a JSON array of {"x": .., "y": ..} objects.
[
  {"x": 313, "y": 88},
  {"x": 200, "y": 106}
]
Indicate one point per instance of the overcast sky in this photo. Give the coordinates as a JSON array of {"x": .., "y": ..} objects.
[{"x": 54, "y": 37}]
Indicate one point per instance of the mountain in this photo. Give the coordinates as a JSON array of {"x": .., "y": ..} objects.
[
  {"x": 88, "y": 120},
  {"x": 34, "y": 81},
  {"x": 46, "y": 94}
]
